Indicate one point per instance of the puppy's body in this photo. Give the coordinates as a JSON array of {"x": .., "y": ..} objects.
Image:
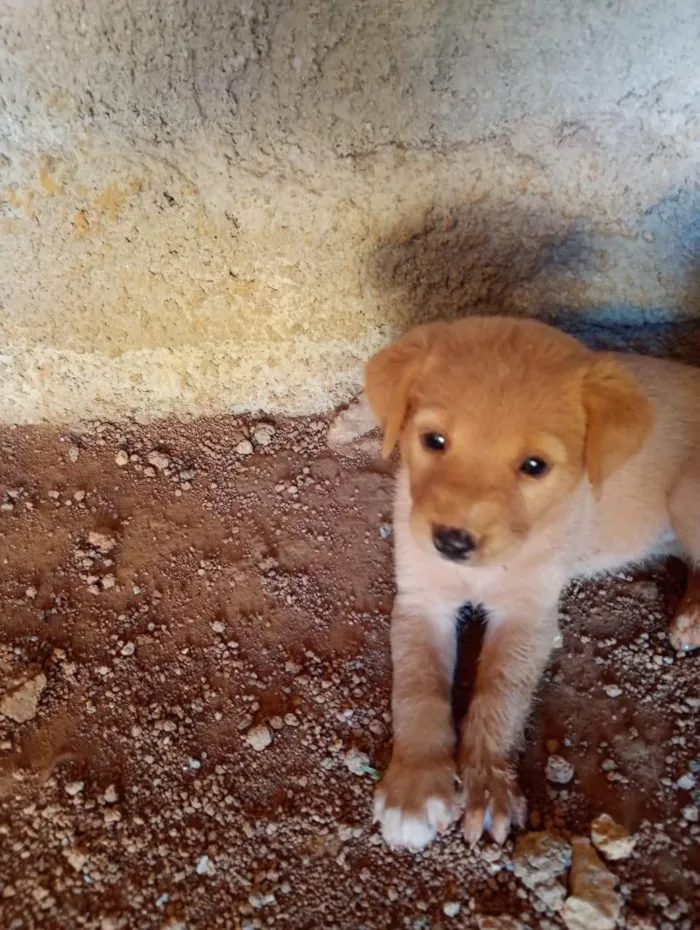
[
  {"x": 632, "y": 518},
  {"x": 610, "y": 502}
]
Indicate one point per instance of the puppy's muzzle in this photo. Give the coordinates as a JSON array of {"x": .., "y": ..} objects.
[{"x": 454, "y": 544}]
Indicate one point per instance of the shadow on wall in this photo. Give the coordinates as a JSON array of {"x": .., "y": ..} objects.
[
  {"x": 630, "y": 329},
  {"x": 466, "y": 259},
  {"x": 486, "y": 259}
]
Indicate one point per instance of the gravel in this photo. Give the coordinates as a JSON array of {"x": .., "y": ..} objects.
[{"x": 231, "y": 597}]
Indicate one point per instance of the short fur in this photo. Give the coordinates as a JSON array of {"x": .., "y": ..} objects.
[{"x": 621, "y": 435}]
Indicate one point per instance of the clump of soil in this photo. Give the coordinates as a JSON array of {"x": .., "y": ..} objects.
[{"x": 194, "y": 700}]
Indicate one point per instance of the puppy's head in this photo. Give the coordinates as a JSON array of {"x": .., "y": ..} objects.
[{"x": 498, "y": 420}]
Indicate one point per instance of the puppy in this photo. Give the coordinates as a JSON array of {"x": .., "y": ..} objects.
[{"x": 526, "y": 460}]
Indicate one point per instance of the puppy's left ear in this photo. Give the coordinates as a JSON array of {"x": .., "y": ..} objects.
[
  {"x": 619, "y": 418},
  {"x": 389, "y": 376}
]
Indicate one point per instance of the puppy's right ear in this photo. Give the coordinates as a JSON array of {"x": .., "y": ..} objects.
[{"x": 389, "y": 376}]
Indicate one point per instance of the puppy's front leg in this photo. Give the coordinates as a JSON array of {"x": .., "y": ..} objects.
[
  {"x": 417, "y": 796},
  {"x": 513, "y": 656}
]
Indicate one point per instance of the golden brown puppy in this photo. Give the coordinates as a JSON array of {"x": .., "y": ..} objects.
[{"x": 527, "y": 460}]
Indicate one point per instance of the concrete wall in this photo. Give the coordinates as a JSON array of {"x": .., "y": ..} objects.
[{"x": 218, "y": 205}]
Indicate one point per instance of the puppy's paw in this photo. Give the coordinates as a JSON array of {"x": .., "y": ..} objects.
[
  {"x": 493, "y": 800},
  {"x": 685, "y": 629},
  {"x": 416, "y": 801}
]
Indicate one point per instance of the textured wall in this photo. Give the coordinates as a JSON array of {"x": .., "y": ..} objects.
[{"x": 212, "y": 205}]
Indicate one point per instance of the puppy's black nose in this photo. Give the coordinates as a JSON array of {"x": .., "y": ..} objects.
[{"x": 452, "y": 543}]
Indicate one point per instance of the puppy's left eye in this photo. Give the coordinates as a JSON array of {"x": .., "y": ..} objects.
[
  {"x": 434, "y": 442},
  {"x": 534, "y": 467}
]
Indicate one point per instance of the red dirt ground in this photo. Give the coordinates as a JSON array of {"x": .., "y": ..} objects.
[{"x": 232, "y": 590}]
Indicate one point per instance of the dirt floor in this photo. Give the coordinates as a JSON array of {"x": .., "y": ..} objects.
[{"x": 194, "y": 698}]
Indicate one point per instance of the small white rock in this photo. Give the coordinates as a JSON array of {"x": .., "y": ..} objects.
[
  {"x": 357, "y": 761},
  {"x": 205, "y": 866},
  {"x": 21, "y": 704},
  {"x": 74, "y": 453},
  {"x": 121, "y": 458},
  {"x": 245, "y": 447},
  {"x": 75, "y": 859},
  {"x": 261, "y": 900},
  {"x": 158, "y": 460},
  {"x": 451, "y": 908},
  {"x": 101, "y": 541},
  {"x": 259, "y": 737},
  {"x": 593, "y": 904},
  {"x": 128, "y": 649},
  {"x": 686, "y": 782},
  {"x": 611, "y": 839},
  {"x": 73, "y": 788},
  {"x": 559, "y": 770},
  {"x": 263, "y": 434},
  {"x": 539, "y": 859},
  {"x": 612, "y": 691}
]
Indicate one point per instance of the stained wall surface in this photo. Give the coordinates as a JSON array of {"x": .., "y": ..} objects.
[{"x": 210, "y": 205}]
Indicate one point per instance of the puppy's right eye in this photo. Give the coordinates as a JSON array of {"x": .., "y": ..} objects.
[
  {"x": 534, "y": 467},
  {"x": 434, "y": 442}
]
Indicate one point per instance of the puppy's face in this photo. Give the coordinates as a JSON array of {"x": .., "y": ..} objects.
[{"x": 498, "y": 420}]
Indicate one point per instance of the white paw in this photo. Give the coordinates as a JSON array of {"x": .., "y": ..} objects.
[{"x": 415, "y": 830}]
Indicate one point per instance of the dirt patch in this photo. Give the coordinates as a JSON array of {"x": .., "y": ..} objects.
[{"x": 199, "y": 634}]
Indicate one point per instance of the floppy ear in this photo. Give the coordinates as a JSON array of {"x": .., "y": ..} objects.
[
  {"x": 388, "y": 378},
  {"x": 619, "y": 418}
]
